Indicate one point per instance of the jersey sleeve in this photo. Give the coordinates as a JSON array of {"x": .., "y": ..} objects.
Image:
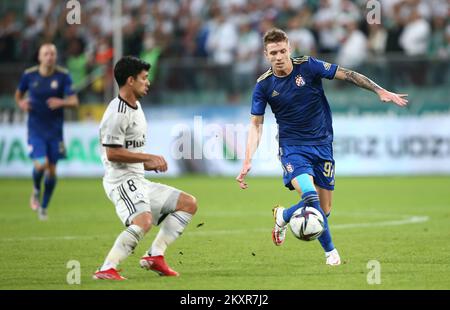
[
  {"x": 259, "y": 101},
  {"x": 113, "y": 130},
  {"x": 23, "y": 83},
  {"x": 68, "y": 87},
  {"x": 322, "y": 69}
]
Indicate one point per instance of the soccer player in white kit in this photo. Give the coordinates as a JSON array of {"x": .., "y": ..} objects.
[{"x": 139, "y": 203}]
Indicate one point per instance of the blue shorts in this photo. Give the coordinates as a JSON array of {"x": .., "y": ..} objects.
[
  {"x": 313, "y": 160},
  {"x": 52, "y": 149}
]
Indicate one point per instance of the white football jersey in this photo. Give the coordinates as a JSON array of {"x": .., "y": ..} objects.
[{"x": 122, "y": 126}]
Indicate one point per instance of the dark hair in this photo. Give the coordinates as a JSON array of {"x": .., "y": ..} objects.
[
  {"x": 129, "y": 66},
  {"x": 274, "y": 35}
]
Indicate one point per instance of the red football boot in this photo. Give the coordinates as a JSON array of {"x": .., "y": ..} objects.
[
  {"x": 110, "y": 274},
  {"x": 158, "y": 265}
]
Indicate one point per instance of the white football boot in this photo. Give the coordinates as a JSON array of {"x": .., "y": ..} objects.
[
  {"x": 34, "y": 201},
  {"x": 333, "y": 258},
  {"x": 280, "y": 227},
  {"x": 42, "y": 214}
]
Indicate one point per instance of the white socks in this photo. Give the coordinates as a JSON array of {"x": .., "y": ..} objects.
[
  {"x": 124, "y": 246},
  {"x": 171, "y": 228}
]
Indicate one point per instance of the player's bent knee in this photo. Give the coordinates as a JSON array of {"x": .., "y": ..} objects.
[
  {"x": 40, "y": 166},
  {"x": 191, "y": 204},
  {"x": 194, "y": 205},
  {"x": 144, "y": 221},
  {"x": 51, "y": 169},
  {"x": 187, "y": 203}
]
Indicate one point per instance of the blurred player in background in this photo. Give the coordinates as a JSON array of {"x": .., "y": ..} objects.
[
  {"x": 49, "y": 90},
  {"x": 139, "y": 203},
  {"x": 293, "y": 89}
]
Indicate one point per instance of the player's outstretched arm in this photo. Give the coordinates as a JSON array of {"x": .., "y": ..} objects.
[
  {"x": 254, "y": 137},
  {"x": 364, "y": 82}
]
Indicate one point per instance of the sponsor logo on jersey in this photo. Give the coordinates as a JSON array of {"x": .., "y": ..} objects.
[
  {"x": 54, "y": 84},
  {"x": 275, "y": 93},
  {"x": 299, "y": 81},
  {"x": 134, "y": 144}
]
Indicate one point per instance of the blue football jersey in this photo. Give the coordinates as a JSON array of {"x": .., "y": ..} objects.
[
  {"x": 298, "y": 102},
  {"x": 42, "y": 121}
]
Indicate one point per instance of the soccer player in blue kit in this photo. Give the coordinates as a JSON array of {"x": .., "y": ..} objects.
[
  {"x": 293, "y": 89},
  {"x": 49, "y": 90}
]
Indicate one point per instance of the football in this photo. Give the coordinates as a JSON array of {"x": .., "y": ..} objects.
[{"x": 307, "y": 224}]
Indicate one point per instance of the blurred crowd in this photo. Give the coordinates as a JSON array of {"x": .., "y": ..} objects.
[{"x": 225, "y": 34}]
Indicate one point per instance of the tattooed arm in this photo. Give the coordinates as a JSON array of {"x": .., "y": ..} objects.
[
  {"x": 357, "y": 79},
  {"x": 364, "y": 82}
]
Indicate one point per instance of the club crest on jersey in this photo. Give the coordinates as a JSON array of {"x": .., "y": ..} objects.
[
  {"x": 299, "y": 81},
  {"x": 54, "y": 84},
  {"x": 289, "y": 168}
]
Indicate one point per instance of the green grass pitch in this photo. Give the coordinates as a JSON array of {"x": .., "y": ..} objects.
[{"x": 403, "y": 223}]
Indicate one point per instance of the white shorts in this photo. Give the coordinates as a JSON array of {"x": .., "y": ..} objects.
[{"x": 138, "y": 195}]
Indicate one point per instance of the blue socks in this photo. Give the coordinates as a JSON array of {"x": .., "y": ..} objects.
[
  {"x": 312, "y": 199},
  {"x": 325, "y": 238},
  {"x": 287, "y": 213},
  {"x": 37, "y": 179},
  {"x": 50, "y": 183}
]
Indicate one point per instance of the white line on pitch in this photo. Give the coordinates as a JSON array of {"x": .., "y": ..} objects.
[
  {"x": 405, "y": 221},
  {"x": 409, "y": 220}
]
